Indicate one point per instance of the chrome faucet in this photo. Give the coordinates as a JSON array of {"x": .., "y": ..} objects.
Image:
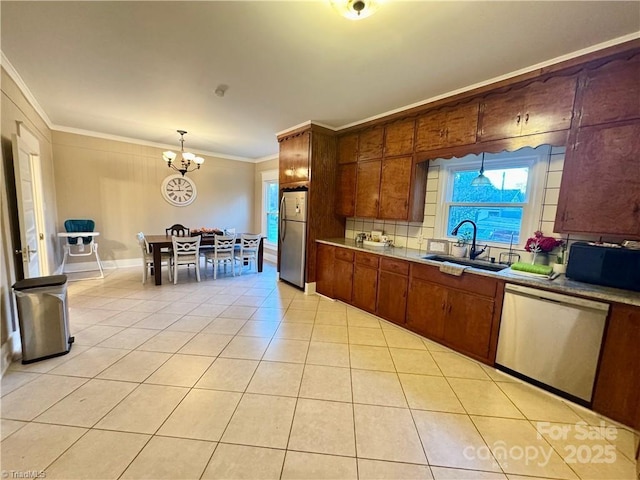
[{"x": 473, "y": 253}]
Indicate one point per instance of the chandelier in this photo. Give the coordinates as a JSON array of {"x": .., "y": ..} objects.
[{"x": 188, "y": 161}]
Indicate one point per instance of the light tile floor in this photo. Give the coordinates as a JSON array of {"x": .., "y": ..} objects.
[{"x": 247, "y": 377}]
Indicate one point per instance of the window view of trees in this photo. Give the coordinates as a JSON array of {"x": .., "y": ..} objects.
[
  {"x": 271, "y": 209},
  {"x": 496, "y": 209}
]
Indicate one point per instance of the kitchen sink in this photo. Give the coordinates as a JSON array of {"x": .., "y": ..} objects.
[{"x": 480, "y": 264}]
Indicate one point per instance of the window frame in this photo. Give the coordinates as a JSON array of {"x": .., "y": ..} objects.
[
  {"x": 535, "y": 159},
  {"x": 269, "y": 177}
]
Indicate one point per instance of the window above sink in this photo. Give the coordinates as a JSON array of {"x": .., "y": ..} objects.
[{"x": 509, "y": 206}]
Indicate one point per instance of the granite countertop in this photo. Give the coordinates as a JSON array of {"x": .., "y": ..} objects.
[{"x": 561, "y": 284}]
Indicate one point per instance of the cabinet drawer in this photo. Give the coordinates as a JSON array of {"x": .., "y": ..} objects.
[
  {"x": 344, "y": 254},
  {"x": 367, "y": 259},
  {"x": 477, "y": 284},
  {"x": 395, "y": 266}
]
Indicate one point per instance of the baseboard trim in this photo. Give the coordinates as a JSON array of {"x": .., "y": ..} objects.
[{"x": 10, "y": 350}]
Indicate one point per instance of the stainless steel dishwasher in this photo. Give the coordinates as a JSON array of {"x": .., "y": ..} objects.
[{"x": 552, "y": 340}]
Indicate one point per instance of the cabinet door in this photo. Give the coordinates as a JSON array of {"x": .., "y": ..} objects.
[
  {"x": 348, "y": 148},
  {"x": 395, "y": 188},
  {"x": 549, "y": 105},
  {"x": 365, "y": 287},
  {"x": 468, "y": 322},
  {"x": 346, "y": 194},
  {"x": 392, "y": 296},
  {"x": 462, "y": 125},
  {"x": 600, "y": 189},
  {"x": 324, "y": 267},
  {"x": 342, "y": 279},
  {"x": 370, "y": 144},
  {"x": 426, "y": 303},
  {"x": 431, "y": 131},
  {"x": 398, "y": 138},
  {"x": 294, "y": 159},
  {"x": 617, "y": 389},
  {"x": 368, "y": 189},
  {"x": 448, "y": 127},
  {"x": 611, "y": 93},
  {"x": 502, "y": 116}
]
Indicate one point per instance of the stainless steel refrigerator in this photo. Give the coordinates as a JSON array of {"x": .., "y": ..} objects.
[{"x": 293, "y": 236}]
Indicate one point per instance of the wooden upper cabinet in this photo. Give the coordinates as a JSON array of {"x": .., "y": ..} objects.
[
  {"x": 600, "y": 189},
  {"x": 348, "y": 148},
  {"x": 368, "y": 189},
  {"x": 346, "y": 195},
  {"x": 447, "y": 127},
  {"x": 370, "y": 144},
  {"x": 395, "y": 187},
  {"x": 611, "y": 93},
  {"x": 398, "y": 138},
  {"x": 549, "y": 105},
  {"x": 294, "y": 159},
  {"x": 537, "y": 108}
]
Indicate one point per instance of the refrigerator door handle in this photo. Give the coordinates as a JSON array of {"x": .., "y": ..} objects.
[{"x": 283, "y": 228}]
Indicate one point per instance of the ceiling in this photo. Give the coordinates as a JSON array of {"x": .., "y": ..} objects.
[{"x": 143, "y": 70}]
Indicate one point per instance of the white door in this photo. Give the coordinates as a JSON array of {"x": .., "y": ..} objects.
[{"x": 25, "y": 147}]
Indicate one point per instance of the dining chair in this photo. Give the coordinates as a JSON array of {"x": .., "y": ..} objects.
[
  {"x": 248, "y": 251},
  {"x": 186, "y": 251},
  {"x": 147, "y": 258},
  {"x": 178, "y": 230},
  {"x": 222, "y": 254}
]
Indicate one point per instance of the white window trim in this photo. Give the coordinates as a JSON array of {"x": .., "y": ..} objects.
[
  {"x": 536, "y": 159},
  {"x": 267, "y": 176}
]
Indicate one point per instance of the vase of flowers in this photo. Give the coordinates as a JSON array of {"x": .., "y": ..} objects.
[{"x": 540, "y": 246}]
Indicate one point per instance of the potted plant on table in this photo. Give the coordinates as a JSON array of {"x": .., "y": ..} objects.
[
  {"x": 459, "y": 249},
  {"x": 540, "y": 246}
]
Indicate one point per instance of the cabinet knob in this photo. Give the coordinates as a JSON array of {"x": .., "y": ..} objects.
[
  {"x": 518, "y": 119},
  {"x": 526, "y": 118}
]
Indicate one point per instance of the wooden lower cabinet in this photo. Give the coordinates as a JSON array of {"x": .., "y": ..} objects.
[
  {"x": 365, "y": 287},
  {"x": 617, "y": 389},
  {"x": 365, "y": 281},
  {"x": 460, "y": 312},
  {"x": 392, "y": 296},
  {"x": 426, "y": 308},
  {"x": 325, "y": 272},
  {"x": 469, "y": 321},
  {"x": 342, "y": 276}
]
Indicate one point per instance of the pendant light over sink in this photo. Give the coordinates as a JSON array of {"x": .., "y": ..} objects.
[{"x": 481, "y": 180}]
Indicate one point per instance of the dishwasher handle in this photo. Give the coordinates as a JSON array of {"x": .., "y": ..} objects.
[{"x": 556, "y": 297}]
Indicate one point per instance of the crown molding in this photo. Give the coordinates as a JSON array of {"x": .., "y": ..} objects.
[
  {"x": 531, "y": 68},
  {"x": 15, "y": 76},
  {"x": 118, "y": 138}
]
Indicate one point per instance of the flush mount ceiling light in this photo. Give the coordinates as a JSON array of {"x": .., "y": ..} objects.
[
  {"x": 188, "y": 161},
  {"x": 356, "y": 9},
  {"x": 481, "y": 180}
]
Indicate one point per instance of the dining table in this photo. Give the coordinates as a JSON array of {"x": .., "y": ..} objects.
[{"x": 158, "y": 242}]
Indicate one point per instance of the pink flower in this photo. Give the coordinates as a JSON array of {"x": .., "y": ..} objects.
[{"x": 539, "y": 243}]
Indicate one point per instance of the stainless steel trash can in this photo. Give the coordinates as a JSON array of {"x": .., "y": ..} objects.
[{"x": 43, "y": 316}]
